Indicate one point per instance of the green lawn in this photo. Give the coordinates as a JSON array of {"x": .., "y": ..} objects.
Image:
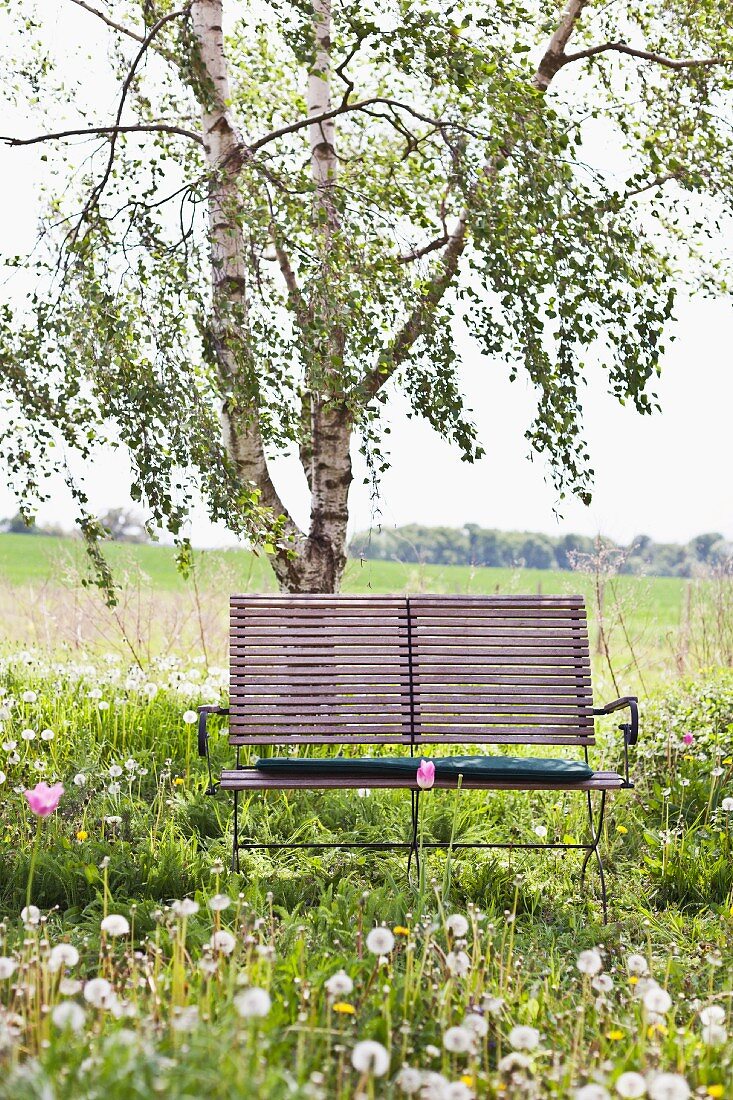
[{"x": 34, "y": 560}]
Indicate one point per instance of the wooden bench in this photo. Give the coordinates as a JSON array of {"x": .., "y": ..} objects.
[{"x": 414, "y": 672}]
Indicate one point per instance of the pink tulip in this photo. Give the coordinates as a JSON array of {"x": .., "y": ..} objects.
[
  {"x": 43, "y": 799},
  {"x": 426, "y": 775},
  {"x": 688, "y": 739}
]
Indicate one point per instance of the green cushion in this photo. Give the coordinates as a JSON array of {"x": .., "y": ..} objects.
[{"x": 449, "y": 767}]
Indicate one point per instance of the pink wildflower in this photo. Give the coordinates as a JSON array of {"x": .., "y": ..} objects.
[
  {"x": 426, "y": 774},
  {"x": 688, "y": 739},
  {"x": 43, "y": 799}
]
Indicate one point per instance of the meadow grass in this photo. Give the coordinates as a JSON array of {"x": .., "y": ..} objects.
[
  {"x": 643, "y": 622},
  {"x": 232, "y": 992}
]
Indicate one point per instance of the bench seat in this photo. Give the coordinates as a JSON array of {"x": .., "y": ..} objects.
[{"x": 254, "y": 779}]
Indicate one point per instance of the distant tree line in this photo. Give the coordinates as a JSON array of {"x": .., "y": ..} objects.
[
  {"x": 121, "y": 525},
  {"x": 474, "y": 545}
]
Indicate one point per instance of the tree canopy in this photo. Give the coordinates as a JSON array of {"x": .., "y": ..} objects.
[{"x": 293, "y": 208}]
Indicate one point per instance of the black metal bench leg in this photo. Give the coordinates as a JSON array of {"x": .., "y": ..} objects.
[
  {"x": 235, "y": 841},
  {"x": 414, "y": 843},
  {"x": 593, "y": 850}
]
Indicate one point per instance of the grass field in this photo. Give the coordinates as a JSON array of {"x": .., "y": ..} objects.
[
  {"x": 147, "y": 968},
  {"x": 42, "y": 602}
]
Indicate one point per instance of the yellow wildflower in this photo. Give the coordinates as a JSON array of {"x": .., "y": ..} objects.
[
  {"x": 633, "y": 979},
  {"x": 728, "y": 760},
  {"x": 399, "y": 930},
  {"x": 468, "y": 1080},
  {"x": 688, "y": 756},
  {"x": 82, "y": 835},
  {"x": 621, "y": 829},
  {"x": 715, "y": 1090},
  {"x": 178, "y": 782},
  {"x": 615, "y": 1035},
  {"x": 656, "y": 1028},
  {"x": 344, "y": 1008}
]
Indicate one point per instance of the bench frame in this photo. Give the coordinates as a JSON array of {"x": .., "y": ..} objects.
[{"x": 243, "y": 778}]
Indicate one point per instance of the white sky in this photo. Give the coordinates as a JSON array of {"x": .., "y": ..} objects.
[{"x": 668, "y": 476}]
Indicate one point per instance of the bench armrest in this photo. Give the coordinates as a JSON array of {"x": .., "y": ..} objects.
[
  {"x": 630, "y": 729},
  {"x": 204, "y": 713}
]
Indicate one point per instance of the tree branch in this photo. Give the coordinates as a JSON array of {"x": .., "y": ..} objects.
[
  {"x": 123, "y": 30},
  {"x": 346, "y": 108},
  {"x": 153, "y": 127},
  {"x": 157, "y": 26},
  {"x": 646, "y": 55},
  {"x": 430, "y": 298}
]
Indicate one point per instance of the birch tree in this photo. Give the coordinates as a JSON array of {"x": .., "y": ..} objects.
[{"x": 294, "y": 206}]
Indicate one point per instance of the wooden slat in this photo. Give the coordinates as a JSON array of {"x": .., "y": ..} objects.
[
  {"x": 394, "y": 739},
  {"x": 251, "y": 779},
  {"x": 448, "y": 734}
]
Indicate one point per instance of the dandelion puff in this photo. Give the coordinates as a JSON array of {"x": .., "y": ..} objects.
[
  {"x": 115, "y": 925},
  {"x": 30, "y": 914},
  {"x": 458, "y": 962},
  {"x": 727, "y": 805},
  {"x": 186, "y": 907},
  {"x": 29, "y": 697},
  {"x": 524, "y": 1038},
  {"x": 409, "y": 1080},
  {"x": 712, "y": 1014},
  {"x": 511, "y": 1062},
  {"x": 63, "y": 954},
  {"x": 28, "y": 735},
  {"x": 477, "y": 1024},
  {"x": 115, "y": 771},
  {"x": 68, "y": 1015},
  {"x": 80, "y": 780},
  {"x": 457, "y": 1090},
  {"x": 98, "y": 992},
  {"x": 47, "y": 735},
  {"x": 252, "y": 1003},
  {"x": 492, "y": 1005},
  {"x": 592, "y": 1092},
  {"x": 219, "y": 903},
  {"x": 370, "y": 1057},
  {"x": 7, "y": 967},
  {"x": 714, "y": 1035},
  {"x": 631, "y": 1085},
  {"x": 190, "y": 717},
  {"x": 589, "y": 962},
  {"x": 3, "y": 777},
  {"x": 637, "y": 964},
  {"x": 602, "y": 983},
  {"x": 457, "y": 925},
  {"x": 223, "y": 942},
  {"x": 657, "y": 1000},
  {"x": 339, "y": 984},
  {"x": 458, "y": 1040},
  {"x": 540, "y": 831},
  {"x": 669, "y": 1086},
  {"x": 380, "y": 941},
  {"x": 69, "y": 987}
]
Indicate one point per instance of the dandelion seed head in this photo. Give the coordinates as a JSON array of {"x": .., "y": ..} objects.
[
  {"x": 458, "y": 1040},
  {"x": 115, "y": 925},
  {"x": 370, "y": 1057},
  {"x": 457, "y": 925},
  {"x": 68, "y": 1015},
  {"x": 524, "y": 1037},
  {"x": 380, "y": 941},
  {"x": 589, "y": 962}
]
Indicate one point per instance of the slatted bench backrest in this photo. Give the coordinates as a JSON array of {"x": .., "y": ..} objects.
[{"x": 420, "y": 669}]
